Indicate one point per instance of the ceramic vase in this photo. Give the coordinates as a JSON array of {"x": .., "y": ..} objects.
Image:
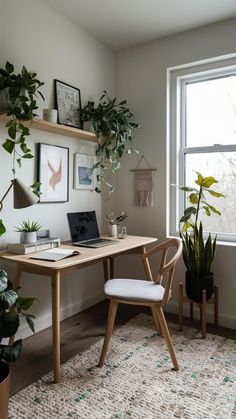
[{"x": 113, "y": 230}]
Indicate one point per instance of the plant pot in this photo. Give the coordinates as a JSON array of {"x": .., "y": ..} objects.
[
  {"x": 113, "y": 230},
  {"x": 194, "y": 285},
  {"x": 4, "y": 389},
  {"x": 30, "y": 237}
]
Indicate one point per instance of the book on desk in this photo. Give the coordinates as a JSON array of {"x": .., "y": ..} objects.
[{"x": 54, "y": 255}]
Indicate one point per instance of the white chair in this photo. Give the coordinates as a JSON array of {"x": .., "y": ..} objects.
[{"x": 146, "y": 292}]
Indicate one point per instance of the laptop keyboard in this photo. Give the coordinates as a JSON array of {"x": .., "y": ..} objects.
[{"x": 95, "y": 241}]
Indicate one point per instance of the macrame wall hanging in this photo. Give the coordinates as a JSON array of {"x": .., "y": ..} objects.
[{"x": 143, "y": 184}]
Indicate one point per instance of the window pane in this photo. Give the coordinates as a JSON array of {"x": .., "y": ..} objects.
[
  {"x": 223, "y": 167},
  {"x": 211, "y": 112}
]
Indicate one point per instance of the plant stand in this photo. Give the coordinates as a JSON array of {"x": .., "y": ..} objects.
[{"x": 202, "y": 306}]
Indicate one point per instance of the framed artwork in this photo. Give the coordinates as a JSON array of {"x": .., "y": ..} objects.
[
  {"x": 83, "y": 171},
  {"x": 68, "y": 104},
  {"x": 53, "y": 170}
]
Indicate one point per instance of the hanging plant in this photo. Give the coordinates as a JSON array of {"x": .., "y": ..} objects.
[
  {"x": 18, "y": 94},
  {"x": 113, "y": 124}
]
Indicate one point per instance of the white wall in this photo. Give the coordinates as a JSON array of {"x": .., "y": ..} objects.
[
  {"x": 142, "y": 80},
  {"x": 46, "y": 42}
]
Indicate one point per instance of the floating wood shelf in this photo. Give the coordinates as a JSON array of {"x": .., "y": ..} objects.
[{"x": 42, "y": 125}]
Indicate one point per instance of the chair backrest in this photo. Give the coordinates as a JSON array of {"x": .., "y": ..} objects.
[{"x": 167, "y": 265}]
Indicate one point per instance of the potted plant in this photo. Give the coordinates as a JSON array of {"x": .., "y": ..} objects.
[
  {"x": 198, "y": 249},
  {"x": 113, "y": 124},
  {"x": 114, "y": 222},
  {"x": 18, "y": 94},
  {"x": 12, "y": 307},
  {"x": 29, "y": 231}
]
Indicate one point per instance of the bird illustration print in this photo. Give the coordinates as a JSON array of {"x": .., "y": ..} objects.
[{"x": 56, "y": 175}]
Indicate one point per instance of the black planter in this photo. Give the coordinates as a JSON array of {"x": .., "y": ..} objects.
[
  {"x": 4, "y": 389},
  {"x": 195, "y": 284}
]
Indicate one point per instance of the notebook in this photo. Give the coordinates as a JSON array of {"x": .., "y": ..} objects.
[
  {"x": 54, "y": 255},
  {"x": 84, "y": 230}
]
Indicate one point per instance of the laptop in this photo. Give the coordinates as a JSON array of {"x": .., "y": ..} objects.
[{"x": 84, "y": 230}]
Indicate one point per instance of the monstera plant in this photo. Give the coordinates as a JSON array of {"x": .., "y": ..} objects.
[{"x": 198, "y": 249}]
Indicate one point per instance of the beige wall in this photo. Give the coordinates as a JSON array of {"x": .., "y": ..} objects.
[
  {"x": 142, "y": 80},
  {"x": 48, "y": 43}
]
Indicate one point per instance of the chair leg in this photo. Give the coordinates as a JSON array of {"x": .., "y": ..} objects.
[
  {"x": 165, "y": 331},
  {"x": 156, "y": 321},
  {"x": 109, "y": 329}
]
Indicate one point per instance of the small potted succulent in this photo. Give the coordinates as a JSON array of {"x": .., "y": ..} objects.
[
  {"x": 28, "y": 230},
  {"x": 114, "y": 125},
  {"x": 114, "y": 222}
]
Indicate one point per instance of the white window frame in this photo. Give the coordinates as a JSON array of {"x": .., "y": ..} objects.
[{"x": 177, "y": 78}]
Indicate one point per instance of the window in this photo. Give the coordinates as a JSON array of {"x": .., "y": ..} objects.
[{"x": 202, "y": 138}]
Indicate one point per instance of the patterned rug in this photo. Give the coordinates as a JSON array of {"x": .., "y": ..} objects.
[{"x": 137, "y": 380}]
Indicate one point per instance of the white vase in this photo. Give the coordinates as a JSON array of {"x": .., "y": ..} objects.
[
  {"x": 30, "y": 237},
  {"x": 113, "y": 230}
]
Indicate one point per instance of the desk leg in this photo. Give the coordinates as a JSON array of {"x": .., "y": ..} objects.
[
  {"x": 106, "y": 270},
  {"x": 56, "y": 325},
  {"x": 112, "y": 268}
]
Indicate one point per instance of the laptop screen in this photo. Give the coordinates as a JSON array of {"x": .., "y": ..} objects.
[{"x": 83, "y": 226}]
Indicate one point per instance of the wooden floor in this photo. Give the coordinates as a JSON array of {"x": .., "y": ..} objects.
[{"x": 77, "y": 333}]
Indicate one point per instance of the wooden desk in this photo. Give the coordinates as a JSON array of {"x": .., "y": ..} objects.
[{"x": 88, "y": 256}]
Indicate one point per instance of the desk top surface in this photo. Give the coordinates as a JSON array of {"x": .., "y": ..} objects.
[{"x": 86, "y": 254}]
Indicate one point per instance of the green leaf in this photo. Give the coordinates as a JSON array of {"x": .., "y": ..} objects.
[
  {"x": 3, "y": 281},
  {"x": 2, "y": 228},
  {"x": 187, "y": 189},
  {"x": 9, "y": 324},
  {"x": 186, "y": 226},
  {"x": 24, "y": 303},
  {"x": 9, "y": 145},
  {"x": 24, "y": 148},
  {"x": 12, "y": 132},
  {"x": 216, "y": 194},
  {"x": 207, "y": 211},
  {"x": 7, "y": 299},
  {"x": 194, "y": 198},
  {"x": 30, "y": 323},
  {"x": 27, "y": 156},
  {"x": 199, "y": 179},
  {"x": 208, "y": 181},
  {"x": 9, "y": 67},
  {"x": 11, "y": 353}
]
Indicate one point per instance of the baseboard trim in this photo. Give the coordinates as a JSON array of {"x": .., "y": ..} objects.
[
  {"x": 225, "y": 320},
  {"x": 45, "y": 321}
]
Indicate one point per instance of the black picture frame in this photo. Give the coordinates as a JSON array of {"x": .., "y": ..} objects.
[
  {"x": 53, "y": 173},
  {"x": 68, "y": 104}
]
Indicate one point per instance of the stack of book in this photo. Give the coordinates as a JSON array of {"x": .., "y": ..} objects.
[{"x": 41, "y": 244}]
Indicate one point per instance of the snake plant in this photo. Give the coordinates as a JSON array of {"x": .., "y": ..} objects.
[{"x": 198, "y": 253}]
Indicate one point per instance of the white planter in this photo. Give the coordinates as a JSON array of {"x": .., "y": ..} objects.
[
  {"x": 113, "y": 230},
  {"x": 30, "y": 237}
]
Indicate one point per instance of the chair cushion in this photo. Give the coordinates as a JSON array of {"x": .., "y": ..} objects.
[{"x": 134, "y": 289}]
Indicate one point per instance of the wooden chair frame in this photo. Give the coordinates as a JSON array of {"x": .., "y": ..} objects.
[{"x": 165, "y": 269}]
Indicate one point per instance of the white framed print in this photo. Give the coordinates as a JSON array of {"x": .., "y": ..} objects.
[
  {"x": 53, "y": 169},
  {"x": 83, "y": 171}
]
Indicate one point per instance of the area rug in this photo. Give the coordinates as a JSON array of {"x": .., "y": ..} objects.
[{"x": 137, "y": 380}]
